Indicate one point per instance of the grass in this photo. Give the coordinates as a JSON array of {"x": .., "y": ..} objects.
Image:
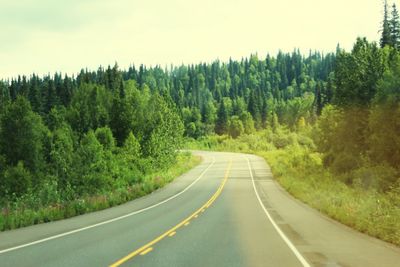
[
  {"x": 368, "y": 211},
  {"x": 300, "y": 171},
  {"x": 20, "y": 214}
]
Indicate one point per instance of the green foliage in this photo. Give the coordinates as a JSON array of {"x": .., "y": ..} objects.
[
  {"x": 50, "y": 204},
  {"x": 22, "y": 136},
  {"x": 375, "y": 177},
  {"x": 132, "y": 147},
  {"x": 89, "y": 151},
  {"x": 56, "y": 118},
  {"x": 89, "y": 108},
  {"x": 161, "y": 132},
  {"x": 383, "y": 121},
  {"x": 132, "y": 165},
  {"x": 91, "y": 173},
  {"x": 221, "y": 125},
  {"x": 386, "y": 36},
  {"x": 369, "y": 200},
  {"x": 105, "y": 137},
  {"x": 360, "y": 207},
  {"x": 78, "y": 155},
  {"x": 357, "y": 74},
  {"x": 394, "y": 26},
  {"x": 122, "y": 118},
  {"x": 62, "y": 154},
  {"x": 16, "y": 180},
  {"x": 326, "y": 127},
  {"x": 235, "y": 127}
]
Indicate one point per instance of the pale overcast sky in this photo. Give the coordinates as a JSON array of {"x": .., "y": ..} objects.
[{"x": 45, "y": 36}]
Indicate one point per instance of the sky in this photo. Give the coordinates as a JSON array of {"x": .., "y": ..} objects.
[{"x": 48, "y": 36}]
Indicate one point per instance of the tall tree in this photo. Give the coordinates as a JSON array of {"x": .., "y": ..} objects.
[
  {"x": 22, "y": 135},
  {"x": 221, "y": 125},
  {"x": 357, "y": 74},
  {"x": 395, "y": 28},
  {"x": 385, "y": 37}
]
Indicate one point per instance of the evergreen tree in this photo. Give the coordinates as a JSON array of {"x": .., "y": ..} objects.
[
  {"x": 221, "y": 125},
  {"x": 121, "y": 119},
  {"x": 386, "y": 36},
  {"x": 318, "y": 102},
  {"x": 395, "y": 28},
  {"x": 357, "y": 74}
]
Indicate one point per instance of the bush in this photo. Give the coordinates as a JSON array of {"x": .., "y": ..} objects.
[
  {"x": 380, "y": 177},
  {"x": 105, "y": 137},
  {"x": 16, "y": 180},
  {"x": 344, "y": 163}
]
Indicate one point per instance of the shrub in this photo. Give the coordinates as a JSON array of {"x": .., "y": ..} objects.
[
  {"x": 380, "y": 177},
  {"x": 16, "y": 180},
  {"x": 344, "y": 163}
]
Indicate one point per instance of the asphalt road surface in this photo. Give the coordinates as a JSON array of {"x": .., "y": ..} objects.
[{"x": 228, "y": 211}]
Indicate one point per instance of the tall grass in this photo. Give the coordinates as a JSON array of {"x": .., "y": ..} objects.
[
  {"x": 31, "y": 209},
  {"x": 369, "y": 211}
]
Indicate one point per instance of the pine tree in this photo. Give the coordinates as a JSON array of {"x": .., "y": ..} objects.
[
  {"x": 222, "y": 121},
  {"x": 394, "y": 25},
  {"x": 385, "y": 38},
  {"x": 318, "y": 99}
]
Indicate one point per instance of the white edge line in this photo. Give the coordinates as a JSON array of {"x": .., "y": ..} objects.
[
  {"x": 111, "y": 220},
  {"x": 283, "y": 236}
]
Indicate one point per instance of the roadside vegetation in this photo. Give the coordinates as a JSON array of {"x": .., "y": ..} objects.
[
  {"x": 103, "y": 147},
  {"x": 353, "y": 198},
  {"x": 50, "y": 204},
  {"x": 328, "y": 125}
]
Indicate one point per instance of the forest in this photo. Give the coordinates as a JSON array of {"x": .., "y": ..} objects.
[{"x": 67, "y": 137}]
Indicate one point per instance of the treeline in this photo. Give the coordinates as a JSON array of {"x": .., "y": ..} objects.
[
  {"x": 155, "y": 106},
  {"x": 71, "y": 138},
  {"x": 219, "y": 97}
]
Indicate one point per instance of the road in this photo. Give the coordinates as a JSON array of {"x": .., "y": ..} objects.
[{"x": 228, "y": 211}]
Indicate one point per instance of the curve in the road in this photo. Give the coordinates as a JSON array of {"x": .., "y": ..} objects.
[
  {"x": 280, "y": 232},
  {"x": 171, "y": 232},
  {"x": 234, "y": 231},
  {"x": 111, "y": 220}
]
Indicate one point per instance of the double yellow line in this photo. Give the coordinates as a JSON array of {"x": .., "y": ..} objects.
[{"x": 171, "y": 232}]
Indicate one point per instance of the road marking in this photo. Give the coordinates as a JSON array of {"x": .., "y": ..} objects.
[
  {"x": 146, "y": 251},
  {"x": 172, "y": 234},
  {"x": 280, "y": 232},
  {"x": 173, "y": 229},
  {"x": 111, "y": 220}
]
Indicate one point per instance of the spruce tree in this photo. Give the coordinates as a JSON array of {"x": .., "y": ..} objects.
[
  {"x": 395, "y": 27},
  {"x": 222, "y": 121},
  {"x": 386, "y": 37}
]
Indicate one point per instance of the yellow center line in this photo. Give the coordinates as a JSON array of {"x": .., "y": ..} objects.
[
  {"x": 172, "y": 234},
  {"x": 148, "y": 247},
  {"x": 146, "y": 251}
]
